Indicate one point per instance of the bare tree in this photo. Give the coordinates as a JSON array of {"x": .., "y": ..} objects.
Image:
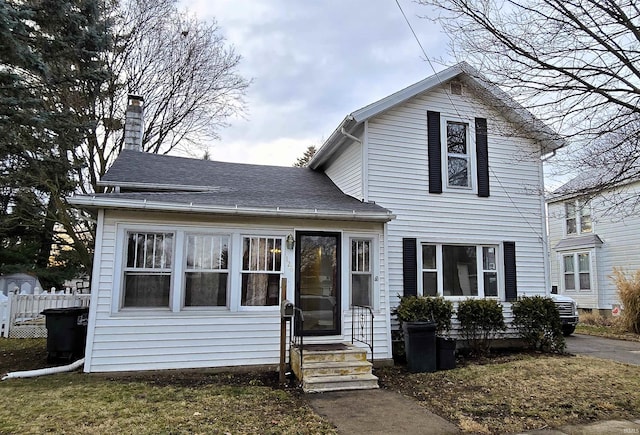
[
  {"x": 573, "y": 63},
  {"x": 184, "y": 70}
]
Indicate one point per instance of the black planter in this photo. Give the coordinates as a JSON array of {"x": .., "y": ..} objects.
[
  {"x": 446, "y": 351},
  {"x": 420, "y": 346}
]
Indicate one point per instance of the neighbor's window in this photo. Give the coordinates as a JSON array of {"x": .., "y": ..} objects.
[
  {"x": 207, "y": 271},
  {"x": 459, "y": 270},
  {"x": 577, "y": 217},
  {"x": 261, "y": 271},
  {"x": 458, "y": 155},
  {"x": 361, "y": 272},
  {"x": 147, "y": 274},
  {"x": 576, "y": 271}
]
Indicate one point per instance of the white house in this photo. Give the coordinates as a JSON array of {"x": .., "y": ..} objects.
[
  {"x": 589, "y": 236},
  {"x": 434, "y": 190}
]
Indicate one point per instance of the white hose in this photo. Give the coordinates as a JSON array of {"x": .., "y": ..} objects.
[{"x": 48, "y": 371}]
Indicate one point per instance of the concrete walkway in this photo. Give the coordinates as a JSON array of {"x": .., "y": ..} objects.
[
  {"x": 378, "y": 412},
  {"x": 387, "y": 412}
]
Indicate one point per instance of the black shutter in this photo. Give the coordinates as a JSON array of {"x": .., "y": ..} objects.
[
  {"x": 409, "y": 267},
  {"x": 434, "y": 150},
  {"x": 482, "y": 157},
  {"x": 510, "y": 281}
]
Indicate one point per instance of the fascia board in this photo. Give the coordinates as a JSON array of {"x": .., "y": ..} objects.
[{"x": 129, "y": 204}]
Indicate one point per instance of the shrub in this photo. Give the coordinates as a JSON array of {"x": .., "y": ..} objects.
[
  {"x": 426, "y": 309},
  {"x": 628, "y": 286},
  {"x": 537, "y": 319},
  {"x": 480, "y": 320}
]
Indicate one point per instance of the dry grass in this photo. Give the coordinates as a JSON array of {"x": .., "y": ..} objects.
[
  {"x": 519, "y": 393},
  {"x": 628, "y": 286},
  {"x": 169, "y": 402}
]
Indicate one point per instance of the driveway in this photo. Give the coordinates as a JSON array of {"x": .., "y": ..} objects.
[{"x": 618, "y": 350}]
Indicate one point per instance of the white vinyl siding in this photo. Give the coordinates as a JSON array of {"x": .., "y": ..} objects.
[
  {"x": 200, "y": 337},
  {"x": 398, "y": 180},
  {"x": 620, "y": 235},
  {"x": 346, "y": 170}
]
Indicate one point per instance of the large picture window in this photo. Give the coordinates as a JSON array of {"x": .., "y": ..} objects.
[
  {"x": 261, "y": 271},
  {"x": 206, "y": 270},
  {"x": 361, "y": 271},
  {"x": 459, "y": 270},
  {"x": 147, "y": 273}
]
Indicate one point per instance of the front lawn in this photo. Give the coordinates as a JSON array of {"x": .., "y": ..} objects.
[
  {"x": 504, "y": 394},
  {"x": 523, "y": 392},
  {"x": 148, "y": 402}
]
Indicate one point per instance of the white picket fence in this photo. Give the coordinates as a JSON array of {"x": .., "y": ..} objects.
[{"x": 21, "y": 314}]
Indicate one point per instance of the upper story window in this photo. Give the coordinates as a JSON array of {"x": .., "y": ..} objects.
[
  {"x": 261, "y": 271},
  {"x": 458, "y": 155},
  {"x": 459, "y": 270},
  {"x": 577, "y": 217},
  {"x": 148, "y": 269},
  {"x": 361, "y": 272},
  {"x": 206, "y": 273}
]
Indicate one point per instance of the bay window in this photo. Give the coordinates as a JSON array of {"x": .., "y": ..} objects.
[
  {"x": 576, "y": 271},
  {"x": 459, "y": 270}
]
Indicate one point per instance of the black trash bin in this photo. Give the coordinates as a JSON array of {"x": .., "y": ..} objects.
[
  {"x": 446, "y": 349},
  {"x": 66, "y": 332},
  {"x": 420, "y": 346}
]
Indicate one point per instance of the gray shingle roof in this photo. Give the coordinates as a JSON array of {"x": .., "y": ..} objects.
[{"x": 179, "y": 180}]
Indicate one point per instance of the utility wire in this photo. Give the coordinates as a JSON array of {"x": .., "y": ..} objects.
[{"x": 458, "y": 113}]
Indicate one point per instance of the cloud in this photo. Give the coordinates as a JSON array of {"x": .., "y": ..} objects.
[{"x": 312, "y": 63}]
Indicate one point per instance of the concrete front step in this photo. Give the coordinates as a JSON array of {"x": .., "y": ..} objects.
[
  {"x": 351, "y": 354},
  {"x": 319, "y": 384},
  {"x": 336, "y": 368}
]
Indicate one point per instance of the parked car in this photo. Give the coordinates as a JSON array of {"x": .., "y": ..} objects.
[{"x": 568, "y": 309}]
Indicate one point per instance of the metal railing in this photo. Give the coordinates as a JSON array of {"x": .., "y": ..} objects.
[
  {"x": 362, "y": 325},
  {"x": 295, "y": 336}
]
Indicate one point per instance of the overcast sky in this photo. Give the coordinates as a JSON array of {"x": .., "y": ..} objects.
[{"x": 312, "y": 62}]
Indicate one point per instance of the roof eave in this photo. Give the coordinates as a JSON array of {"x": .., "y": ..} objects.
[{"x": 132, "y": 204}]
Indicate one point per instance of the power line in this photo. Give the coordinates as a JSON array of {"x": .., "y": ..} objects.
[{"x": 415, "y": 36}]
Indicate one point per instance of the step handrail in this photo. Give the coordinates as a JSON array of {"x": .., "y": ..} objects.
[{"x": 362, "y": 325}]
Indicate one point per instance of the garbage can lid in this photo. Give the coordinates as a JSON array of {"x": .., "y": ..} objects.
[{"x": 69, "y": 311}]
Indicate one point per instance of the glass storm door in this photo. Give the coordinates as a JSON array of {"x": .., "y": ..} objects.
[{"x": 318, "y": 281}]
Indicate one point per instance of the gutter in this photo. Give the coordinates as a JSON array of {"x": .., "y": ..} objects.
[
  {"x": 132, "y": 204},
  {"x": 330, "y": 145}
]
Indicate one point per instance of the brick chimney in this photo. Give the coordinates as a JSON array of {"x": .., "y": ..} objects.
[{"x": 134, "y": 123}]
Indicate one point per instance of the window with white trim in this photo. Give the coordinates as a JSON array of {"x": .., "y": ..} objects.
[
  {"x": 206, "y": 273},
  {"x": 261, "y": 271},
  {"x": 148, "y": 269},
  {"x": 577, "y": 217},
  {"x": 459, "y": 270},
  {"x": 458, "y": 155},
  {"x": 361, "y": 272},
  {"x": 577, "y": 271}
]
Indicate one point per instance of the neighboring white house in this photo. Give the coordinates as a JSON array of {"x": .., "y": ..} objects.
[
  {"x": 591, "y": 235},
  {"x": 436, "y": 189}
]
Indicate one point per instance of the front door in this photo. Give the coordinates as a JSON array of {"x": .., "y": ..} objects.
[{"x": 318, "y": 281}]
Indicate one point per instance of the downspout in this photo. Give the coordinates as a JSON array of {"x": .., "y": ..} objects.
[
  {"x": 349, "y": 135},
  {"x": 42, "y": 372}
]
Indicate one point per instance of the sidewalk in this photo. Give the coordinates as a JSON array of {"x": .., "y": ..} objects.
[
  {"x": 387, "y": 412},
  {"x": 378, "y": 412}
]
